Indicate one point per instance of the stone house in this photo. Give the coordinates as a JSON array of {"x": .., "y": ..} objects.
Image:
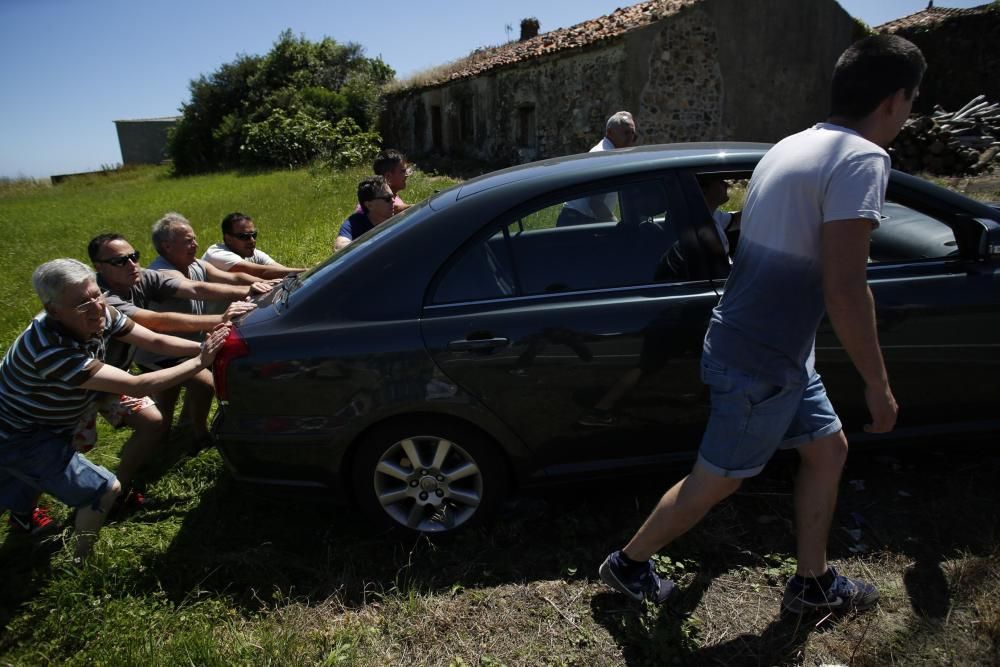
[
  {"x": 688, "y": 70},
  {"x": 144, "y": 140},
  {"x": 960, "y": 46}
]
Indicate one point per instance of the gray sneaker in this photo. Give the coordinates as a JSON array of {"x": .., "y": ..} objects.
[
  {"x": 845, "y": 594},
  {"x": 643, "y": 584}
]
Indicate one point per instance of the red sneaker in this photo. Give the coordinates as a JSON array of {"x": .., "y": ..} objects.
[
  {"x": 35, "y": 523},
  {"x": 129, "y": 502}
]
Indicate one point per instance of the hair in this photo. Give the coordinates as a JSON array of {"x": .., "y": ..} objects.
[
  {"x": 386, "y": 160},
  {"x": 618, "y": 120},
  {"x": 370, "y": 188},
  {"x": 871, "y": 70},
  {"x": 232, "y": 219},
  {"x": 51, "y": 278},
  {"x": 94, "y": 247},
  {"x": 163, "y": 229}
]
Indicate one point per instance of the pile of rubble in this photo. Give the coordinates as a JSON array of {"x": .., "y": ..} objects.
[{"x": 964, "y": 142}]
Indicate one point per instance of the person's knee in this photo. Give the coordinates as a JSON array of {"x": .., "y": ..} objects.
[
  {"x": 829, "y": 453},
  {"x": 201, "y": 383},
  {"x": 711, "y": 485}
]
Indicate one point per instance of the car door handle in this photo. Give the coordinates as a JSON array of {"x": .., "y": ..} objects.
[{"x": 478, "y": 344}]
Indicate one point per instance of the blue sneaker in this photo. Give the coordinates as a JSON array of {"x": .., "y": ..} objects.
[
  {"x": 845, "y": 594},
  {"x": 642, "y": 584}
]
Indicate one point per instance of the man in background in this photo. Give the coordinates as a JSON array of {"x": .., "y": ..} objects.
[
  {"x": 375, "y": 201},
  {"x": 238, "y": 251}
]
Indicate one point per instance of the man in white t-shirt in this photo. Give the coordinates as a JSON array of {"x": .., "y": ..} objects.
[
  {"x": 238, "y": 250},
  {"x": 811, "y": 206},
  {"x": 715, "y": 189},
  {"x": 619, "y": 132}
]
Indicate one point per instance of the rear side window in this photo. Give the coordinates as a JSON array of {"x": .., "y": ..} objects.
[{"x": 604, "y": 238}]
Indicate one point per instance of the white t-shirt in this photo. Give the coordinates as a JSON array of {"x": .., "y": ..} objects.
[
  {"x": 610, "y": 199},
  {"x": 221, "y": 257},
  {"x": 765, "y": 325},
  {"x": 722, "y": 220}
]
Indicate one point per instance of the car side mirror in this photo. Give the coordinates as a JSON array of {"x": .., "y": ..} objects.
[{"x": 989, "y": 245}]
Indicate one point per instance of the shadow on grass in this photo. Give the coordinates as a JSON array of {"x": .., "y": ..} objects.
[{"x": 258, "y": 548}]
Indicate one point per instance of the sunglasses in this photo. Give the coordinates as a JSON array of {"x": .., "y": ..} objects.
[
  {"x": 90, "y": 303},
  {"x": 121, "y": 260},
  {"x": 386, "y": 198},
  {"x": 245, "y": 236}
]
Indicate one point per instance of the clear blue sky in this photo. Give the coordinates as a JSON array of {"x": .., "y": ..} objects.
[{"x": 71, "y": 67}]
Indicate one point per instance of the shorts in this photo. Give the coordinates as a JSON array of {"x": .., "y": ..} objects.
[
  {"x": 114, "y": 408},
  {"x": 43, "y": 460},
  {"x": 752, "y": 418}
]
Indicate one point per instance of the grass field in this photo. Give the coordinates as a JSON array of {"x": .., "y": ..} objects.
[{"x": 224, "y": 574}]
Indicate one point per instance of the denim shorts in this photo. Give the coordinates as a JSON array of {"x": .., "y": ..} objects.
[
  {"x": 43, "y": 460},
  {"x": 752, "y": 418}
]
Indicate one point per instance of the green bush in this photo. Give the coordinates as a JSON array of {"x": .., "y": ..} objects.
[
  {"x": 282, "y": 109},
  {"x": 284, "y": 141}
]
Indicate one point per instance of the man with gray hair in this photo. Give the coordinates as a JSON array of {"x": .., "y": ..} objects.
[
  {"x": 619, "y": 132},
  {"x": 177, "y": 245},
  {"x": 50, "y": 377}
]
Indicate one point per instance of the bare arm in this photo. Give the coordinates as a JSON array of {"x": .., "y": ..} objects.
[
  {"x": 340, "y": 243},
  {"x": 116, "y": 381},
  {"x": 165, "y": 344},
  {"x": 217, "y": 275},
  {"x": 186, "y": 323},
  {"x": 851, "y": 309},
  {"x": 198, "y": 289},
  {"x": 263, "y": 271}
]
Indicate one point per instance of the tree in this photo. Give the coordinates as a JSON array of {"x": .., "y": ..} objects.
[{"x": 285, "y": 108}]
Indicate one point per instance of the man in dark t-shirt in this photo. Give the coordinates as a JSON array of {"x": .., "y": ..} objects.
[{"x": 376, "y": 200}]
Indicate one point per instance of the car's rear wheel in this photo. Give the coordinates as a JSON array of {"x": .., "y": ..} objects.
[{"x": 428, "y": 477}]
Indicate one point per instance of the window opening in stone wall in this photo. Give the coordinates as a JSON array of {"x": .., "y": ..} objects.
[
  {"x": 465, "y": 121},
  {"x": 526, "y": 135},
  {"x": 436, "y": 127}
]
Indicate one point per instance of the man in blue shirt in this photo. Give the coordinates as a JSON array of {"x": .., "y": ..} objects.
[
  {"x": 811, "y": 206},
  {"x": 376, "y": 200}
]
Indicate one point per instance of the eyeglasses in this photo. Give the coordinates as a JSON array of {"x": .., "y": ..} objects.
[
  {"x": 386, "y": 198},
  {"x": 90, "y": 303},
  {"x": 244, "y": 236},
  {"x": 121, "y": 260}
]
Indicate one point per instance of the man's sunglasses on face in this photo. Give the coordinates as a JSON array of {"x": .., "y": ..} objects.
[
  {"x": 121, "y": 260},
  {"x": 386, "y": 198},
  {"x": 245, "y": 236}
]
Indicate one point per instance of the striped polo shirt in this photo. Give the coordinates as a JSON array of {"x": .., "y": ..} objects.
[{"x": 41, "y": 374}]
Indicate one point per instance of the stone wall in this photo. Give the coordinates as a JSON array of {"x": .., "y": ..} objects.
[
  {"x": 753, "y": 70},
  {"x": 963, "y": 59}
]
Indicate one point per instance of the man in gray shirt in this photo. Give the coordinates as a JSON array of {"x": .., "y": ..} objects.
[{"x": 137, "y": 292}]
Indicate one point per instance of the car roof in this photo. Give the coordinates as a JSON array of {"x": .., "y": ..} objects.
[{"x": 618, "y": 162}]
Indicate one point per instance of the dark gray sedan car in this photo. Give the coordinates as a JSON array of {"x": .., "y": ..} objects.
[{"x": 546, "y": 321}]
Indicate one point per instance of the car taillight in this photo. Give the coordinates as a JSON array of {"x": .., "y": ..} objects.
[{"x": 233, "y": 348}]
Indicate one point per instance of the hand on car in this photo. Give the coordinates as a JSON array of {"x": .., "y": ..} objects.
[
  {"x": 262, "y": 287},
  {"x": 213, "y": 343},
  {"x": 883, "y": 409},
  {"x": 237, "y": 308}
]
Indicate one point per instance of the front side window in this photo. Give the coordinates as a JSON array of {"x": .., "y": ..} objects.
[{"x": 596, "y": 239}]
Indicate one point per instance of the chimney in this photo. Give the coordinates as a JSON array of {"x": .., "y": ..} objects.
[{"x": 529, "y": 28}]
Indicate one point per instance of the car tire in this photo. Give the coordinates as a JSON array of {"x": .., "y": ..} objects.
[{"x": 458, "y": 479}]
